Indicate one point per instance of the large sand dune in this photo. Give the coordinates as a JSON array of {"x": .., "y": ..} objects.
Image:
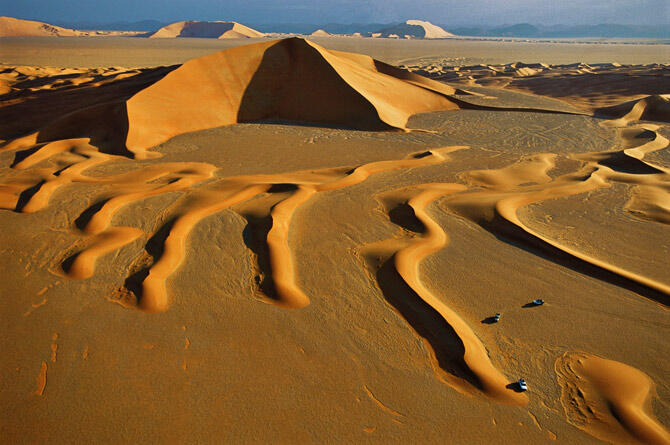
[
  {"x": 11, "y": 27},
  {"x": 292, "y": 80},
  {"x": 212, "y": 30},
  {"x": 248, "y": 239},
  {"x": 417, "y": 29}
]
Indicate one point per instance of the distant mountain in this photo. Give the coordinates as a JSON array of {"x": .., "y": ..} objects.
[
  {"x": 652, "y": 32},
  {"x": 559, "y": 31}
]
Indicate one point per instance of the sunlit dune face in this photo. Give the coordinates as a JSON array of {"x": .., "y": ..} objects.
[{"x": 359, "y": 244}]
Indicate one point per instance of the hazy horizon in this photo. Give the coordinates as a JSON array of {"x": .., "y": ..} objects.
[{"x": 447, "y": 12}]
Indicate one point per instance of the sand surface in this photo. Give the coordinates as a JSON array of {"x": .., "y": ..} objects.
[
  {"x": 287, "y": 243},
  {"x": 69, "y": 52}
]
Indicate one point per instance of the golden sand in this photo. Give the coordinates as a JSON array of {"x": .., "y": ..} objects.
[{"x": 281, "y": 242}]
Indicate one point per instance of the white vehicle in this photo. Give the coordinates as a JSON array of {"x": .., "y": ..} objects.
[{"x": 522, "y": 385}]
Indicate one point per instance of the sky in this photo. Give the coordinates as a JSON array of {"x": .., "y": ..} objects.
[{"x": 446, "y": 12}]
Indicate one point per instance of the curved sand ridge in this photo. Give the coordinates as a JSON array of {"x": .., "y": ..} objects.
[
  {"x": 494, "y": 208},
  {"x": 236, "y": 190},
  {"x": 609, "y": 400},
  {"x": 215, "y": 30},
  {"x": 496, "y": 211},
  {"x": 655, "y": 108},
  {"x": 406, "y": 259}
]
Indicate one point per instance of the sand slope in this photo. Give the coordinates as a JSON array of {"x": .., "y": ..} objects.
[
  {"x": 292, "y": 80},
  {"x": 417, "y": 29},
  {"x": 363, "y": 266},
  {"x": 608, "y": 89},
  {"x": 212, "y": 30},
  {"x": 320, "y": 33},
  {"x": 608, "y": 399},
  {"x": 11, "y": 27}
]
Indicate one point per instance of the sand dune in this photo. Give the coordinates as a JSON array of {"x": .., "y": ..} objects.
[
  {"x": 406, "y": 259},
  {"x": 261, "y": 82},
  {"x": 416, "y": 29},
  {"x": 608, "y": 399},
  {"x": 320, "y": 33},
  {"x": 278, "y": 80},
  {"x": 606, "y": 89},
  {"x": 11, "y": 27},
  {"x": 364, "y": 266},
  {"x": 497, "y": 211},
  {"x": 430, "y": 31},
  {"x": 212, "y": 30}
]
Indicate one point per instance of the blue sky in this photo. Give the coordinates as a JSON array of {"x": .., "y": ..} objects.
[{"x": 450, "y": 12}]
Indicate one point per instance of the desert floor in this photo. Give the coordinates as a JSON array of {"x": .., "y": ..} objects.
[{"x": 308, "y": 283}]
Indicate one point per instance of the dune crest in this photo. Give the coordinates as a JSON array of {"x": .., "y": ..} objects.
[
  {"x": 609, "y": 400},
  {"x": 431, "y": 31},
  {"x": 414, "y": 29},
  {"x": 12, "y": 27},
  {"x": 291, "y": 79},
  {"x": 463, "y": 361},
  {"x": 213, "y": 30}
]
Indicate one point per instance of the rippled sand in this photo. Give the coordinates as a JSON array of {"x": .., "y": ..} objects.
[{"x": 181, "y": 263}]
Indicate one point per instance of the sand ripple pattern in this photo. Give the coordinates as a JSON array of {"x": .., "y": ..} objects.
[
  {"x": 608, "y": 399},
  {"x": 487, "y": 198}
]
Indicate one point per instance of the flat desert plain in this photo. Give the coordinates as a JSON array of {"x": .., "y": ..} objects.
[{"x": 297, "y": 241}]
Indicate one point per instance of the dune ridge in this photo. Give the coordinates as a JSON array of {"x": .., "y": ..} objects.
[
  {"x": 232, "y": 191},
  {"x": 13, "y": 27},
  {"x": 214, "y": 29},
  {"x": 406, "y": 257},
  {"x": 276, "y": 80},
  {"x": 609, "y": 400},
  {"x": 261, "y": 82},
  {"x": 608, "y": 90},
  {"x": 83, "y": 264},
  {"x": 414, "y": 29},
  {"x": 46, "y": 163}
]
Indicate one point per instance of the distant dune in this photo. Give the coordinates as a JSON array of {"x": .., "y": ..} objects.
[
  {"x": 11, "y": 27},
  {"x": 417, "y": 29},
  {"x": 211, "y": 30},
  {"x": 492, "y": 273},
  {"x": 320, "y": 33}
]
